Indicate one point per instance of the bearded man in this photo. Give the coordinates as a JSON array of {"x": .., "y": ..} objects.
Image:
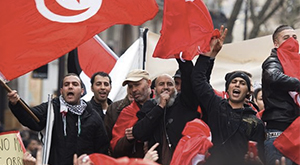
[{"x": 161, "y": 120}]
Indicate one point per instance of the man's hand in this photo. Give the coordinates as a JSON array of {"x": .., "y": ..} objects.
[
  {"x": 82, "y": 160},
  {"x": 281, "y": 162},
  {"x": 216, "y": 44},
  {"x": 252, "y": 160},
  {"x": 164, "y": 98},
  {"x": 152, "y": 153},
  {"x": 128, "y": 133},
  {"x": 28, "y": 159},
  {"x": 13, "y": 97}
]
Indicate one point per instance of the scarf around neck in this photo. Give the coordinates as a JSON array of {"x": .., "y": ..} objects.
[
  {"x": 75, "y": 109},
  {"x": 288, "y": 55}
]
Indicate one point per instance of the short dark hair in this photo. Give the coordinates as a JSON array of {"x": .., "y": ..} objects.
[
  {"x": 177, "y": 74},
  {"x": 103, "y": 74},
  {"x": 71, "y": 74},
  {"x": 280, "y": 29},
  {"x": 256, "y": 92}
]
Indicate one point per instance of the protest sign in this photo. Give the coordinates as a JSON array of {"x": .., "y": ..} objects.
[{"x": 11, "y": 148}]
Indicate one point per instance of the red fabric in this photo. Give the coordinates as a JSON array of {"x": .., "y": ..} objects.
[
  {"x": 260, "y": 113},
  {"x": 288, "y": 143},
  {"x": 101, "y": 159},
  {"x": 126, "y": 119},
  {"x": 288, "y": 54},
  {"x": 30, "y": 40},
  {"x": 194, "y": 141},
  {"x": 187, "y": 26},
  {"x": 94, "y": 57}
]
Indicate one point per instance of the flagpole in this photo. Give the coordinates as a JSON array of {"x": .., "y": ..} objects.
[
  {"x": 143, "y": 34},
  {"x": 48, "y": 131},
  {"x": 20, "y": 101}
]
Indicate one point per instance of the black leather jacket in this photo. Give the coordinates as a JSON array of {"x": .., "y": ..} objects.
[{"x": 280, "y": 109}]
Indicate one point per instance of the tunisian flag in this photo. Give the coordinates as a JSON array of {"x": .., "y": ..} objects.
[
  {"x": 187, "y": 27},
  {"x": 34, "y": 33}
]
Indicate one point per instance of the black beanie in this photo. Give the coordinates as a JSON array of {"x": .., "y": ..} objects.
[{"x": 230, "y": 76}]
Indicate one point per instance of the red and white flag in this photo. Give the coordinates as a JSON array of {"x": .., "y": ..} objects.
[
  {"x": 187, "y": 27},
  {"x": 34, "y": 33},
  {"x": 95, "y": 56}
]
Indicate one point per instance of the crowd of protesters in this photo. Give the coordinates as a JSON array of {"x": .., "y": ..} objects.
[{"x": 182, "y": 120}]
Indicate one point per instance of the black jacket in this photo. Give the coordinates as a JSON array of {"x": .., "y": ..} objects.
[
  {"x": 231, "y": 128},
  {"x": 153, "y": 120},
  {"x": 92, "y": 138},
  {"x": 98, "y": 107},
  {"x": 280, "y": 108}
]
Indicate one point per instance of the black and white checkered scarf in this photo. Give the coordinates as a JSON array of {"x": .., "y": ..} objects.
[{"x": 75, "y": 109}]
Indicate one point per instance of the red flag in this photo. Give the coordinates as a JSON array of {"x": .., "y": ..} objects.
[
  {"x": 288, "y": 143},
  {"x": 187, "y": 27},
  {"x": 34, "y": 33},
  {"x": 92, "y": 56}
]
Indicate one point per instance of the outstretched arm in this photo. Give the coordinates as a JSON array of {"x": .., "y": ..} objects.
[
  {"x": 202, "y": 88},
  {"x": 25, "y": 118}
]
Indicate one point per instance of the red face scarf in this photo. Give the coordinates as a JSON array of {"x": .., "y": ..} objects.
[
  {"x": 288, "y": 142},
  {"x": 288, "y": 54}
]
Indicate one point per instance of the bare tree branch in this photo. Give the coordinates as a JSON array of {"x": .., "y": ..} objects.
[
  {"x": 258, "y": 21},
  {"x": 264, "y": 9},
  {"x": 230, "y": 24}
]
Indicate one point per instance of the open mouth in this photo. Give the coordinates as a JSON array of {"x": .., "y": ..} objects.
[
  {"x": 70, "y": 94},
  {"x": 102, "y": 94},
  {"x": 236, "y": 92}
]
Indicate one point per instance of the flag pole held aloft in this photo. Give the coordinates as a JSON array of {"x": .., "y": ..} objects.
[{"x": 20, "y": 101}]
